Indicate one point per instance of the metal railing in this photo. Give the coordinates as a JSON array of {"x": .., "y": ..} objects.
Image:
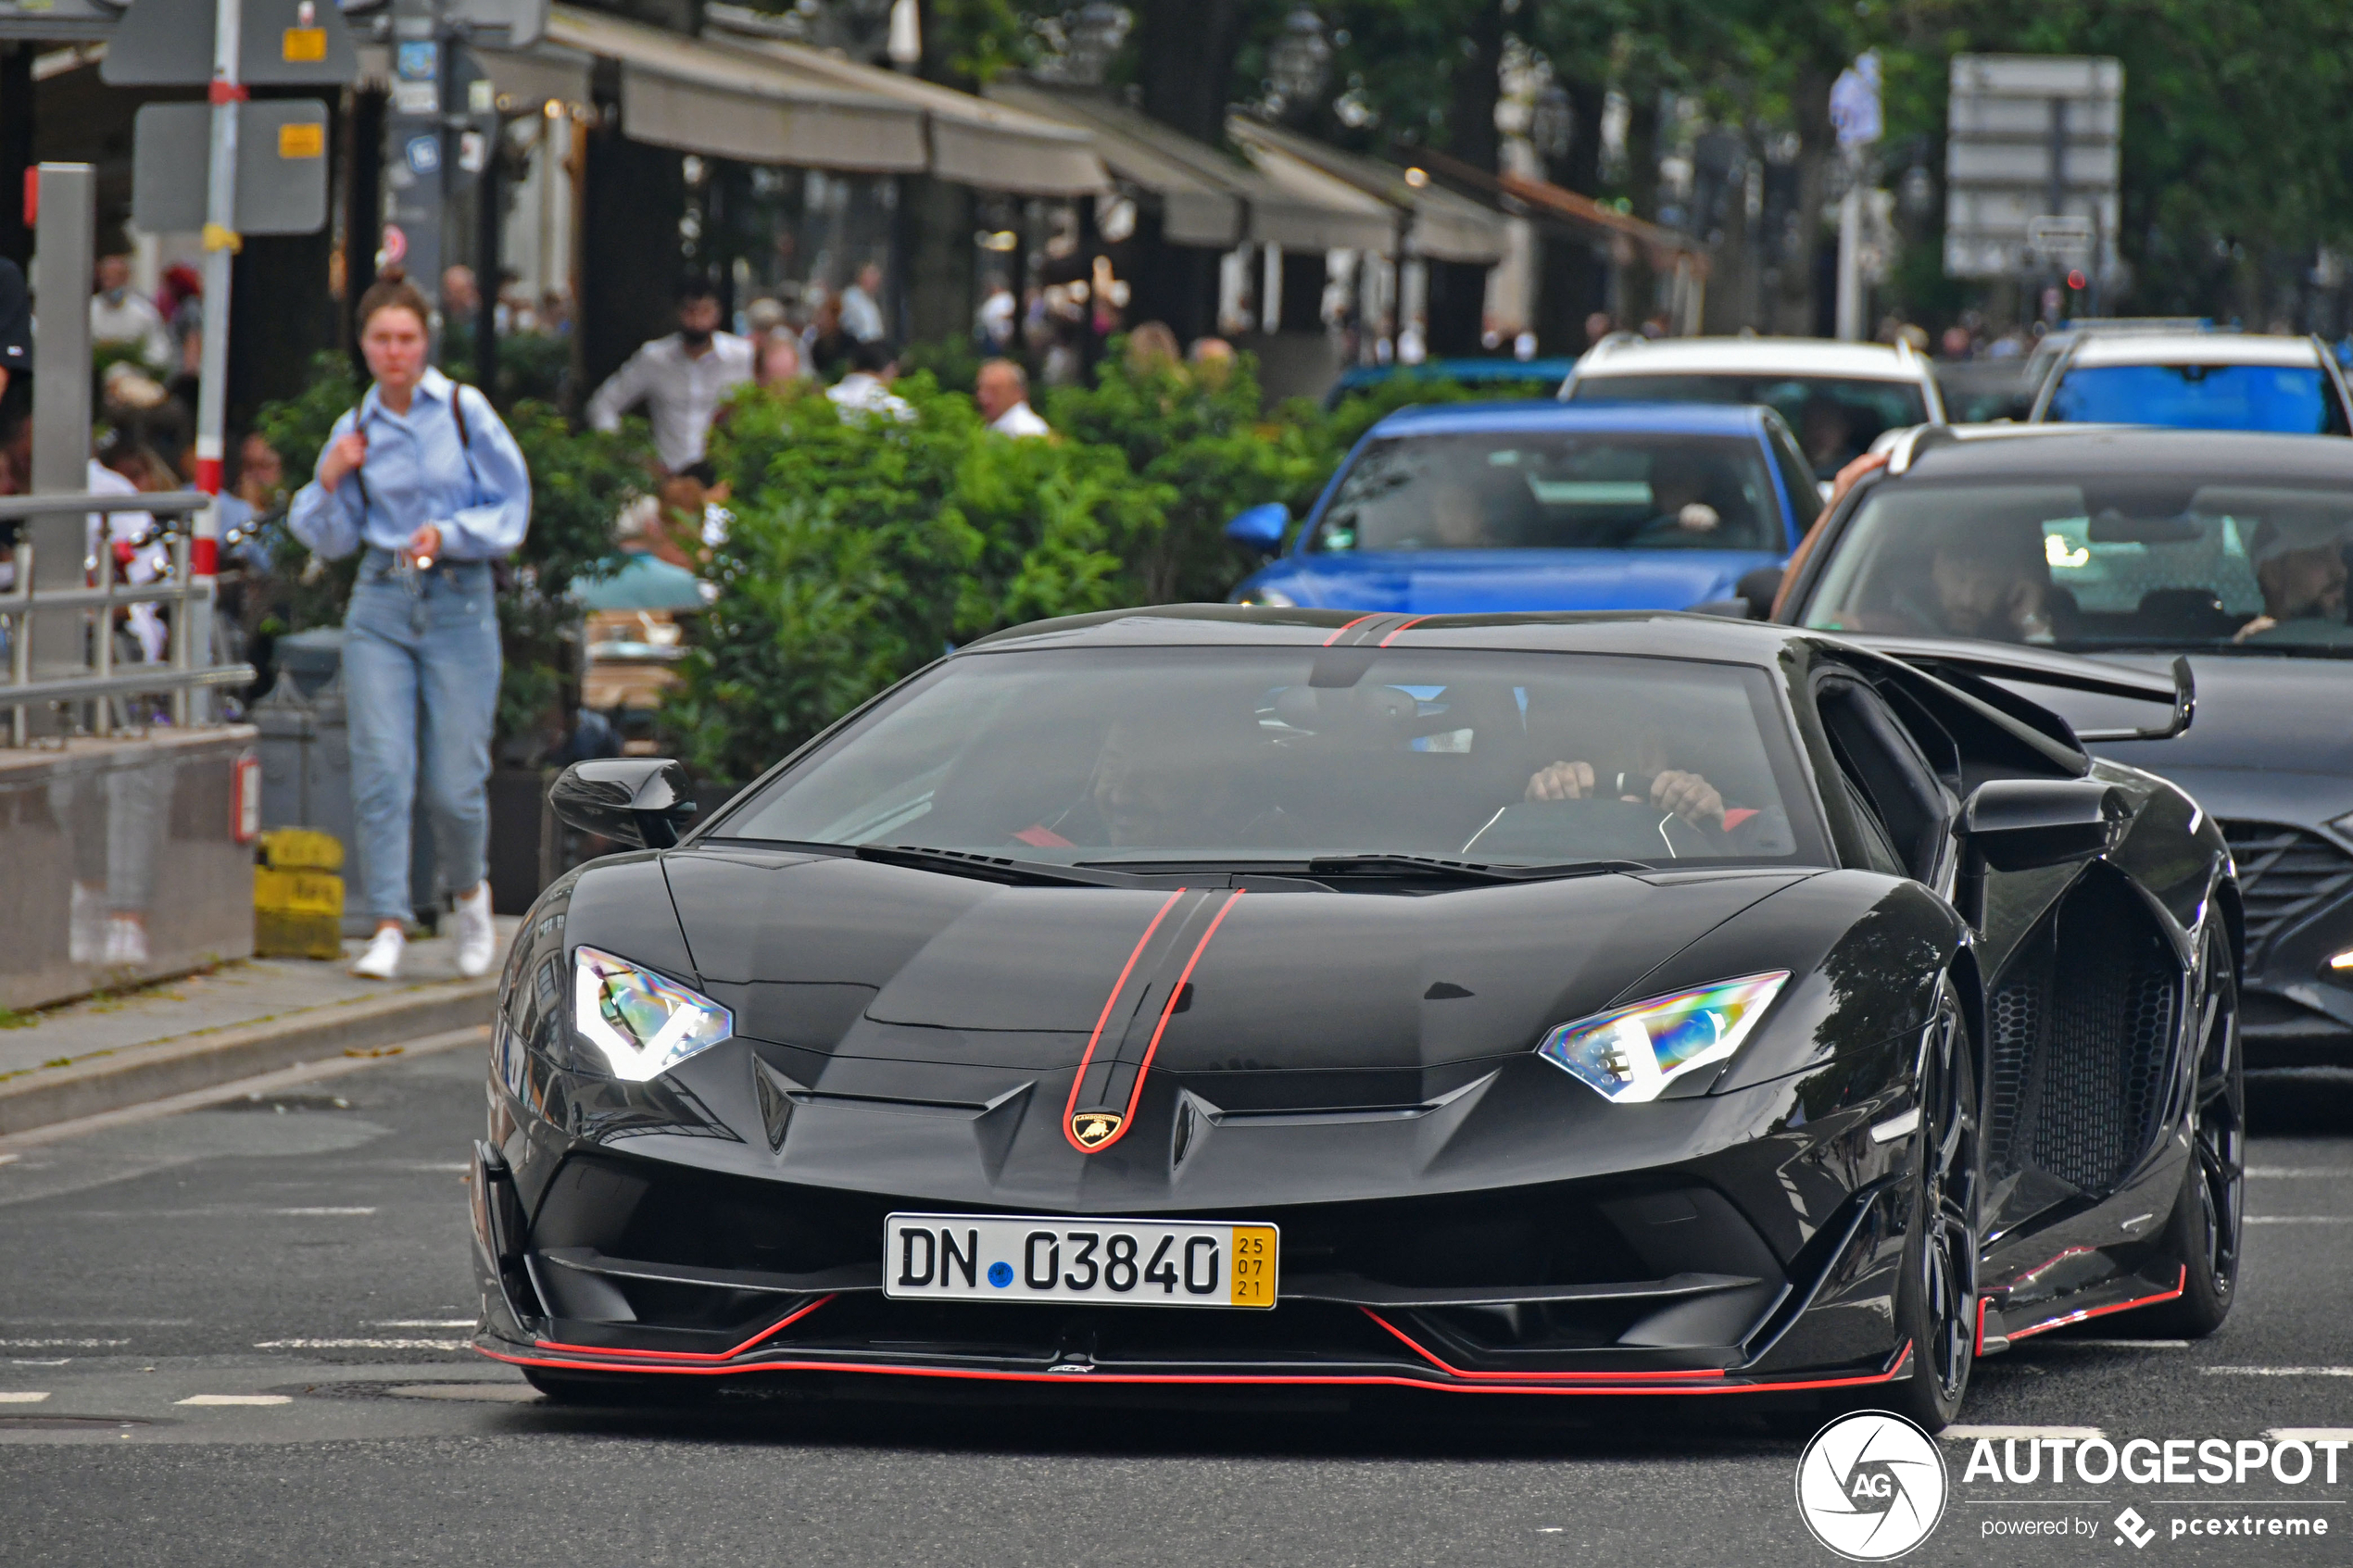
[{"x": 187, "y": 669}]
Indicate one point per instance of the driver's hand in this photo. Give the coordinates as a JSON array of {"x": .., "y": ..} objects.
[
  {"x": 2254, "y": 628},
  {"x": 1562, "y": 781},
  {"x": 1690, "y": 797}
]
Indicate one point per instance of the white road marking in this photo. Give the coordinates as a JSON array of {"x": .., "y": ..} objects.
[
  {"x": 20, "y": 1396},
  {"x": 422, "y": 1323},
  {"x": 27, "y": 1360},
  {"x": 2300, "y": 1219},
  {"x": 361, "y": 1344},
  {"x": 322, "y": 1211},
  {"x": 236, "y": 1399},
  {"x": 2024, "y": 1434},
  {"x": 2310, "y": 1434},
  {"x": 2285, "y": 1172},
  {"x": 2277, "y": 1371},
  {"x": 9, "y": 1159},
  {"x": 2113, "y": 1344},
  {"x": 60, "y": 1344}
]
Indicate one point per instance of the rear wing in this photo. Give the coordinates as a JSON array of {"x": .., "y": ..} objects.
[{"x": 1973, "y": 666}]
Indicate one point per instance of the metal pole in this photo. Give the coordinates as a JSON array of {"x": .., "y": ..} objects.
[
  {"x": 1850, "y": 254},
  {"x": 221, "y": 243},
  {"x": 61, "y": 276}
]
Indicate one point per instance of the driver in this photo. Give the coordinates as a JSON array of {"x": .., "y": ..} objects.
[
  {"x": 1648, "y": 781},
  {"x": 1162, "y": 779},
  {"x": 2299, "y": 564},
  {"x": 1993, "y": 583},
  {"x": 1678, "y": 495}
]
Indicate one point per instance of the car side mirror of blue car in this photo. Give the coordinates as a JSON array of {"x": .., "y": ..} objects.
[
  {"x": 1260, "y": 528},
  {"x": 645, "y": 802}
]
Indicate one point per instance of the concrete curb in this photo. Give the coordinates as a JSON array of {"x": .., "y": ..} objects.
[{"x": 110, "y": 1080}]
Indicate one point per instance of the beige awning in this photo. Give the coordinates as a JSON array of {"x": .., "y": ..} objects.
[
  {"x": 525, "y": 77},
  {"x": 731, "y": 102},
  {"x": 1208, "y": 197},
  {"x": 1440, "y": 224},
  {"x": 974, "y": 142}
]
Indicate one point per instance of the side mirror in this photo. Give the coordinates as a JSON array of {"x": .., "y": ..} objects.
[
  {"x": 1260, "y": 528},
  {"x": 1759, "y": 585},
  {"x": 646, "y": 801},
  {"x": 2020, "y": 824}
]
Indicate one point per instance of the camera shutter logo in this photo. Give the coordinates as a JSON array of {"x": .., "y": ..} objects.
[{"x": 1872, "y": 1486}]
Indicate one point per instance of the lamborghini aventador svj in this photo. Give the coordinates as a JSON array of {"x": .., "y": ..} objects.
[{"x": 1538, "y": 1005}]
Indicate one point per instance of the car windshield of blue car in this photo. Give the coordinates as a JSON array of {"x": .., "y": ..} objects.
[
  {"x": 1555, "y": 490},
  {"x": 2283, "y": 399},
  {"x": 2129, "y": 562},
  {"x": 1252, "y": 755},
  {"x": 1836, "y": 418}
]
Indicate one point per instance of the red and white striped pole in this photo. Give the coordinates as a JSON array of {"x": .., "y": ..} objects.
[{"x": 221, "y": 241}]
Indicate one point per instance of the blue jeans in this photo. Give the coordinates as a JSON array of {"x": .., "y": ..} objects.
[{"x": 420, "y": 673}]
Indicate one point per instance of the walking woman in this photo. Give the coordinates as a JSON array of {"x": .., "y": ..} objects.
[{"x": 424, "y": 478}]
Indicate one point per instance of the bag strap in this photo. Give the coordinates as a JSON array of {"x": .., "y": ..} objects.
[{"x": 457, "y": 389}]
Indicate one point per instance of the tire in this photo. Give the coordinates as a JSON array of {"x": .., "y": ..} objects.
[
  {"x": 1937, "y": 1297},
  {"x": 2207, "y": 1224}
]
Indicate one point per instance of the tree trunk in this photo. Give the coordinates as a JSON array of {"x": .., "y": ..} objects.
[
  {"x": 1796, "y": 308},
  {"x": 1186, "y": 52},
  {"x": 1573, "y": 279},
  {"x": 1470, "y": 120}
]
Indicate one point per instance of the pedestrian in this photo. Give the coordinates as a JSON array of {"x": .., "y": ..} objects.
[
  {"x": 998, "y": 319},
  {"x": 866, "y": 389},
  {"x": 825, "y": 345},
  {"x": 861, "y": 311},
  {"x": 777, "y": 364},
  {"x": 682, "y": 379},
  {"x": 122, "y": 317},
  {"x": 1002, "y": 391},
  {"x": 425, "y": 478}
]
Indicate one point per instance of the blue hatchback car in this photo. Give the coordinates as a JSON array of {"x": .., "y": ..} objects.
[{"x": 1469, "y": 508}]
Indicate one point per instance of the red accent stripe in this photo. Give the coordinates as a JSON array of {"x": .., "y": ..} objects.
[
  {"x": 1044, "y": 837},
  {"x": 1350, "y": 626},
  {"x": 1078, "y": 1081},
  {"x": 1136, "y": 1092},
  {"x": 691, "y": 1355},
  {"x": 1241, "y": 1379},
  {"x": 204, "y": 557},
  {"x": 2180, "y": 1285},
  {"x": 1980, "y": 1328},
  {"x": 220, "y": 91},
  {"x": 1410, "y": 621},
  {"x": 208, "y": 475}
]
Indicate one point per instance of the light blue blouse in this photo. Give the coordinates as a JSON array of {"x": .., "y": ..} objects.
[{"x": 419, "y": 470}]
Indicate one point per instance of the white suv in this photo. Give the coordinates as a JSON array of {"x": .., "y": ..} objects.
[
  {"x": 2197, "y": 381},
  {"x": 1837, "y": 396}
]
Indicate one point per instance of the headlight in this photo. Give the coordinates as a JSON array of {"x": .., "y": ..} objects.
[
  {"x": 644, "y": 1024},
  {"x": 1270, "y": 598},
  {"x": 1631, "y": 1054}
]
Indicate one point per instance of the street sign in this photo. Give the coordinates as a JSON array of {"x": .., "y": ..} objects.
[
  {"x": 280, "y": 43},
  {"x": 60, "y": 19},
  {"x": 2032, "y": 137},
  {"x": 282, "y": 166},
  {"x": 2061, "y": 241}
]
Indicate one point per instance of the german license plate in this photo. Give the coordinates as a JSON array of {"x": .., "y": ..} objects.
[{"x": 1102, "y": 1262}]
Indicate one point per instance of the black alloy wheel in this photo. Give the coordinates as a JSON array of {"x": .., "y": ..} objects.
[
  {"x": 1936, "y": 1299},
  {"x": 2211, "y": 1213}
]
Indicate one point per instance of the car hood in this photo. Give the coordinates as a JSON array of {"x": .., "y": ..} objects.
[
  {"x": 842, "y": 957},
  {"x": 2256, "y": 713},
  {"x": 1481, "y": 581}
]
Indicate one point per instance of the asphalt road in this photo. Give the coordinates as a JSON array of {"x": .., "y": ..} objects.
[{"x": 305, "y": 1258}]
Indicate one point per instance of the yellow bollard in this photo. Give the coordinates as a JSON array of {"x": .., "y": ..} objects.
[{"x": 297, "y": 897}]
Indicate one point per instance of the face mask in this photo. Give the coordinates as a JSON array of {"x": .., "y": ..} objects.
[
  {"x": 693, "y": 339},
  {"x": 114, "y": 297}
]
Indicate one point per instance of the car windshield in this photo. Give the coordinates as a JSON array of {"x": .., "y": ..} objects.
[
  {"x": 2128, "y": 562},
  {"x": 1836, "y": 418},
  {"x": 1557, "y": 490},
  {"x": 1148, "y": 755},
  {"x": 2284, "y": 398}
]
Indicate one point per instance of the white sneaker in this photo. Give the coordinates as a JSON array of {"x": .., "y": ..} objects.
[
  {"x": 382, "y": 961},
  {"x": 477, "y": 938}
]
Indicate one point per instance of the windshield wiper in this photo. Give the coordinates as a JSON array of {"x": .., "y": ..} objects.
[
  {"x": 1459, "y": 871},
  {"x": 990, "y": 868}
]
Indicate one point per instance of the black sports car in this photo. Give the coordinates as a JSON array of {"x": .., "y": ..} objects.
[
  {"x": 1550, "y": 1005},
  {"x": 2224, "y": 549}
]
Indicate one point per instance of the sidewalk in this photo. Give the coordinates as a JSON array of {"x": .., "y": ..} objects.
[{"x": 245, "y": 1018}]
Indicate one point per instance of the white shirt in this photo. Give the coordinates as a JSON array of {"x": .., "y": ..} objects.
[
  {"x": 680, "y": 392},
  {"x": 863, "y": 392},
  {"x": 861, "y": 318},
  {"x": 1019, "y": 420},
  {"x": 133, "y": 320}
]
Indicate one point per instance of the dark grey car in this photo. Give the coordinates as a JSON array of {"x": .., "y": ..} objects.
[{"x": 2224, "y": 550}]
